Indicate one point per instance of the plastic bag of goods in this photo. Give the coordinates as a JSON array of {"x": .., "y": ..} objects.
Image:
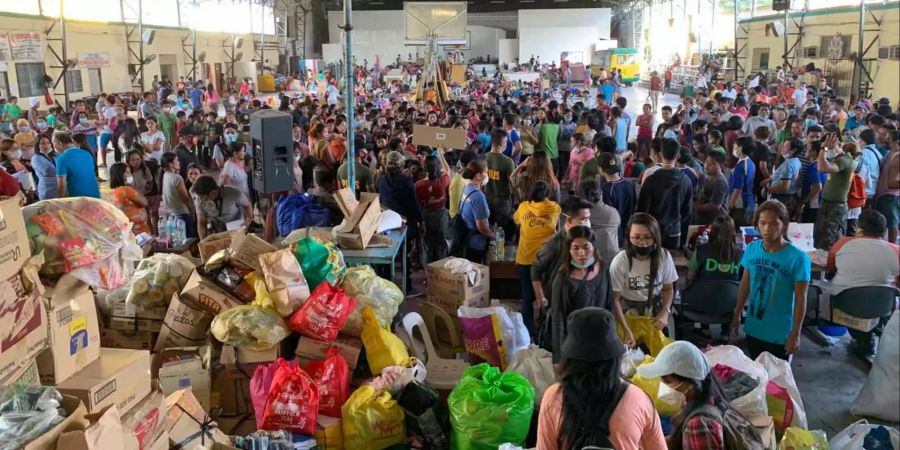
[
  {"x": 86, "y": 237},
  {"x": 754, "y": 403},
  {"x": 368, "y": 289},
  {"x": 26, "y": 413},
  {"x": 383, "y": 348},
  {"x": 372, "y": 420},
  {"x": 249, "y": 326},
  {"x": 323, "y": 315},
  {"x": 319, "y": 260},
  {"x": 880, "y": 395},
  {"x": 260, "y": 383},
  {"x": 493, "y": 334},
  {"x": 645, "y": 334},
  {"x": 782, "y": 395},
  {"x": 293, "y": 401},
  {"x": 156, "y": 279},
  {"x": 332, "y": 378},
  {"x": 536, "y": 365},
  {"x": 800, "y": 439},
  {"x": 489, "y": 408},
  {"x": 284, "y": 280},
  {"x": 863, "y": 435},
  {"x": 427, "y": 417}
]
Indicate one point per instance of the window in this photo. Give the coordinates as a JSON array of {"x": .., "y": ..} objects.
[
  {"x": 73, "y": 80},
  {"x": 764, "y": 60},
  {"x": 4, "y": 85},
  {"x": 31, "y": 79}
]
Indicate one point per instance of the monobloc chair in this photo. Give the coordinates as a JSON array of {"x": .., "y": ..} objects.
[
  {"x": 866, "y": 302},
  {"x": 443, "y": 374},
  {"x": 445, "y": 328},
  {"x": 709, "y": 302}
]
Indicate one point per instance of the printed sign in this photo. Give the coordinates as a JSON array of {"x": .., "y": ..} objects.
[
  {"x": 26, "y": 46},
  {"x": 93, "y": 60}
]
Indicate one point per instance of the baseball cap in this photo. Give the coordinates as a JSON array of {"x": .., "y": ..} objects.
[
  {"x": 678, "y": 358},
  {"x": 591, "y": 336}
]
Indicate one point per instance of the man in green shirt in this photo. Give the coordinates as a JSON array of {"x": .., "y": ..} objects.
[
  {"x": 498, "y": 192},
  {"x": 12, "y": 110},
  {"x": 548, "y": 134},
  {"x": 166, "y": 121},
  {"x": 831, "y": 223},
  {"x": 364, "y": 180}
]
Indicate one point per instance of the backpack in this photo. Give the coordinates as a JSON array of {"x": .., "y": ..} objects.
[
  {"x": 459, "y": 232},
  {"x": 300, "y": 211},
  {"x": 856, "y": 198},
  {"x": 739, "y": 433}
]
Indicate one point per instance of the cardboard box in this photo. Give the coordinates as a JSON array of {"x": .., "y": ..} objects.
[
  {"x": 247, "y": 248},
  {"x": 362, "y": 218},
  {"x": 207, "y": 295},
  {"x": 213, "y": 243},
  {"x": 185, "y": 325},
  {"x": 232, "y": 382},
  {"x": 104, "y": 432},
  {"x": 25, "y": 374},
  {"x": 309, "y": 349},
  {"x": 188, "y": 424},
  {"x": 23, "y": 321},
  {"x": 150, "y": 319},
  {"x": 765, "y": 426},
  {"x": 237, "y": 424},
  {"x": 75, "y": 420},
  {"x": 119, "y": 377},
  {"x": 74, "y": 331},
  {"x": 231, "y": 356},
  {"x": 447, "y": 138},
  {"x": 146, "y": 422},
  {"x": 161, "y": 442},
  {"x": 451, "y": 290},
  {"x": 183, "y": 367},
  {"x": 14, "y": 246},
  {"x": 132, "y": 340}
]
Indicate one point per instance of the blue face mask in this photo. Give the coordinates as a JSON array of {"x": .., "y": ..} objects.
[
  {"x": 810, "y": 122},
  {"x": 230, "y": 138},
  {"x": 589, "y": 264}
]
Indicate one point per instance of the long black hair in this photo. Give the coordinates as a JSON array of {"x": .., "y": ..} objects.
[
  {"x": 722, "y": 240},
  {"x": 588, "y": 390},
  {"x": 655, "y": 256}
]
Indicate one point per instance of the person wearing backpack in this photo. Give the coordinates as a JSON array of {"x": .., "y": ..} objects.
[
  {"x": 706, "y": 421},
  {"x": 470, "y": 230},
  {"x": 592, "y": 406}
]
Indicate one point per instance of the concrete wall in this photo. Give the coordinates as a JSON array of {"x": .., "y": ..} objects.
[
  {"x": 827, "y": 23},
  {"x": 547, "y": 33},
  {"x": 91, "y": 37},
  {"x": 509, "y": 51},
  {"x": 484, "y": 41}
]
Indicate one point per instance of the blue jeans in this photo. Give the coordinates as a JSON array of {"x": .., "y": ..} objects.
[
  {"x": 104, "y": 141},
  {"x": 527, "y": 297}
]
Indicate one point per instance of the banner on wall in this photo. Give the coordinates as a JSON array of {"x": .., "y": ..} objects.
[
  {"x": 93, "y": 60},
  {"x": 5, "y": 52},
  {"x": 26, "y": 46}
]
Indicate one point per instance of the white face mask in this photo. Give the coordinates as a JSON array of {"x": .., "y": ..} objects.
[
  {"x": 670, "y": 396},
  {"x": 484, "y": 181},
  {"x": 16, "y": 154},
  {"x": 831, "y": 153},
  {"x": 129, "y": 179},
  {"x": 737, "y": 153}
]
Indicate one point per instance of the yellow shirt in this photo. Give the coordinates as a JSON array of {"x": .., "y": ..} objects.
[
  {"x": 537, "y": 222},
  {"x": 457, "y": 185}
]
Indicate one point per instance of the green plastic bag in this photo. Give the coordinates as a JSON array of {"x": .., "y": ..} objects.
[
  {"x": 319, "y": 261},
  {"x": 800, "y": 439},
  {"x": 489, "y": 408}
]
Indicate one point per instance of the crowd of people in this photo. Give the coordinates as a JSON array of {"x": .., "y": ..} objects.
[{"x": 596, "y": 194}]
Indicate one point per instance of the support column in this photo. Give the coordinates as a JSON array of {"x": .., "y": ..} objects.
[{"x": 349, "y": 97}]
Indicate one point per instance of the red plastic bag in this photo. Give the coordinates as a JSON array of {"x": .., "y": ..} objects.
[
  {"x": 324, "y": 313},
  {"x": 293, "y": 401},
  {"x": 260, "y": 383},
  {"x": 332, "y": 378}
]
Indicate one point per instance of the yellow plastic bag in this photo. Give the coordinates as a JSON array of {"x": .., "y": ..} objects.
[
  {"x": 329, "y": 433},
  {"x": 383, "y": 348},
  {"x": 644, "y": 333},
  {"x": 800, "y": 439},
  {"x": 651, "y": 387},
  {"x": 372, "y": 421}
]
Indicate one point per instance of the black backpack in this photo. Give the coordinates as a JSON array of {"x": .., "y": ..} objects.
[
  {"x": 601, "y": 439},
  {"x": 459, "y": 232}
]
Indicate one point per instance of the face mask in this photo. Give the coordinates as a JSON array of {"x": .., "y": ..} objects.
[
  {"x": 42, "y": 126},
  {"x": 484, "y": 181},
  {"x": 83, "y": 120},
  {"x": 810, "y": 122},
  {"x": 16, "y": 154},
  {"x": 830, "y": 153},
  {"x": 670, "y": 396},
  {"x": 297, "y": 159},
  {"x": 644, "y": 251},
  {"x": 230, "y": 138},
  {"x": 24, "y": 129},
  {"x": 527, "y": 122},
  {"x": 737, "y": 153},
  {"x": 129, "y": 179},
  {"x": 588, "y": 265}
]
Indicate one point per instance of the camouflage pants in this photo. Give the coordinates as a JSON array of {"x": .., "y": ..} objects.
[{"x": 831, "y": 224}]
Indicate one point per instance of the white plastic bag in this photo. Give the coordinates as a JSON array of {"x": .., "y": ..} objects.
[
  {"x": 753, "y": 404},
  {"x": 779, "y": 372},
  {"x": 479, "y": 332},
  {"x": 630, "y": 360},
  {"x": 880, "y": 396},
  {"x": 536, "y": 365},
  {"x": 853, "y": 437}
]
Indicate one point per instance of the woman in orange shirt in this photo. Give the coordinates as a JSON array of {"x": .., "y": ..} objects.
[{"x": 127, "y": 198}]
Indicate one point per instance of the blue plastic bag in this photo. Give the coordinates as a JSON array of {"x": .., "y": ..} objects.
[{"x": 300, "y": 211}]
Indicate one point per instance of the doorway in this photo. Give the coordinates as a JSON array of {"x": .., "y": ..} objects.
[
  {"x": 96, "y": 81},
  {"x": 219, "y": 77},
  {"x": 167, "y": 68}
]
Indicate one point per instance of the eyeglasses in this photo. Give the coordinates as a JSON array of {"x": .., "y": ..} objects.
[{"x": 640, "y": 239}]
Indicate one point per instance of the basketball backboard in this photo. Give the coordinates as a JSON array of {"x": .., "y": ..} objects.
[{"x": 443, "y": 21}]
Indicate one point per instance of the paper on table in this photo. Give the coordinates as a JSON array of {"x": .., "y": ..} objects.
[
  {"x": 801, "y": 235},
  {"x": 234, "y": 225},
  {"x": 390, "y": 220}
]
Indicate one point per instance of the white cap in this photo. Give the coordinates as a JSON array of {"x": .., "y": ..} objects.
[{"x": 678, "y": 358}]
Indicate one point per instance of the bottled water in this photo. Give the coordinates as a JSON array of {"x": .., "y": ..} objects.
[
  {"x": 501, "y": 244},
  {"x": 171, "y": 229},
  {"x": 704, "y": 238},
  {"x": 181, "y": 231},
  {"x": 164, "y": 231}
]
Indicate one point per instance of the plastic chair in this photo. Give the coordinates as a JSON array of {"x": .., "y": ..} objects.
[
  {"x": 445, "y": 328},
  {"x": 709, "y": 302},
  {"x": 866, "y": 302},
  {"x": 443, "y": 374}
]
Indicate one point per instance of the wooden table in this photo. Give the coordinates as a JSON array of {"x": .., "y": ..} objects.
[
  {"x": 381, "y": 255},
  {"x": 504, "y": 272}
]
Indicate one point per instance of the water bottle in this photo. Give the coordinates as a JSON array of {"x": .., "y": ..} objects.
[
  {"x": 164, "y": 231},
  {"x": 501, "y": 244},
  {"x": 171, "y": 229},
  {"x": 704, "y": 238},
  {"x": 182, "y": 231}
]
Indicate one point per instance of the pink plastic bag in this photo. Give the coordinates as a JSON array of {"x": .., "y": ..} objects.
[
  {"x": 332, "y": 378},
  {"x": 260, "y": 383},
  {"x": 324, "y": 313},
  {"x": 293, "y": 401}
]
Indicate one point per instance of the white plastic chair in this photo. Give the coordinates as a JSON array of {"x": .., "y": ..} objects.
[{"x": 443, "y": 374}]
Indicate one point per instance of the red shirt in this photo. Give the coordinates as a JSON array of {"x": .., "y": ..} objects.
[
  {"x": 645, "y": 126},
  {"x": 9, "y": 186},
  {"x": 432, "y": 194}
]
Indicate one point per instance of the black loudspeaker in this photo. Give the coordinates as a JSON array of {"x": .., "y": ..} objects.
[
  {"x": 273, "y": 151},
  {"x": 781, "y": 5}
]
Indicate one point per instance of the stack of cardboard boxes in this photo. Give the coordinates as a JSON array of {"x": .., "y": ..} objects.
[{"x": 446, "y": 293}]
